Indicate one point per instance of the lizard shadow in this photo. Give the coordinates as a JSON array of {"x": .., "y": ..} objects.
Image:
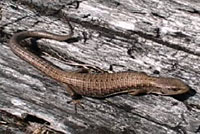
[
  {"x": 73, "y": 39},
  {"x": 185, "y": 96},
  {"x": 32, "y": 44},
  {"x": 179, "y": 97}
]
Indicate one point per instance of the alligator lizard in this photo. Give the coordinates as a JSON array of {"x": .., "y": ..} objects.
[{"x": 95, "y": 85}]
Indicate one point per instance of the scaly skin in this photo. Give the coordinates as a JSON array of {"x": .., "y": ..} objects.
[{"x": 95, "y": 85}]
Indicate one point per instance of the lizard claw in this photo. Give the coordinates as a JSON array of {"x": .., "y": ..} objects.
[{"x": 77, "y": 103}]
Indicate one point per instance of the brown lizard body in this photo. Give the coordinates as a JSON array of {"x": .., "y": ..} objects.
[{"x": 95, "y": 85}]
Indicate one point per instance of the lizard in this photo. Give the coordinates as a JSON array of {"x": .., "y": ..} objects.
[{"x": 98, "y": 85}]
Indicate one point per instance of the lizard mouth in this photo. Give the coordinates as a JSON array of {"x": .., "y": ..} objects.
[
  {"x": 175, "y": 91},
  {"x": 169, "y": 90}
]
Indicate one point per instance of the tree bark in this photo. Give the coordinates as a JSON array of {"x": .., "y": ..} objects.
[{"x": 160, "y": 38}]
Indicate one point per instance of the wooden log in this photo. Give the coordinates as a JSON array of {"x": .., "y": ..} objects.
[{"x": 160, "y": 38}]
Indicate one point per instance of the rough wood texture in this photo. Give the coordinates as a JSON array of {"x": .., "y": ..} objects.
[{"x": 160, "y": 38}]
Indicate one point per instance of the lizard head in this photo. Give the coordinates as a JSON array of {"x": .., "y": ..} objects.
[{"x": 169, "y": 86}]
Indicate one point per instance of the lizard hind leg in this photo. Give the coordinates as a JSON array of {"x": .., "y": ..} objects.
[
  {"x": 76, "y": 98},
  {"x": 77, "y": 103}
]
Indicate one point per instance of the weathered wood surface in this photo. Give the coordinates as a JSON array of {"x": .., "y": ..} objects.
[{"x": 160, "y": 38}]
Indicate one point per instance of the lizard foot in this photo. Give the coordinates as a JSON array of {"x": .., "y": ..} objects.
[{"x": 77, "y": 103}]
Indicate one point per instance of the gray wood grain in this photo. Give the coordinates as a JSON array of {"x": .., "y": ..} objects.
[{"x": 160, "y": 38}]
